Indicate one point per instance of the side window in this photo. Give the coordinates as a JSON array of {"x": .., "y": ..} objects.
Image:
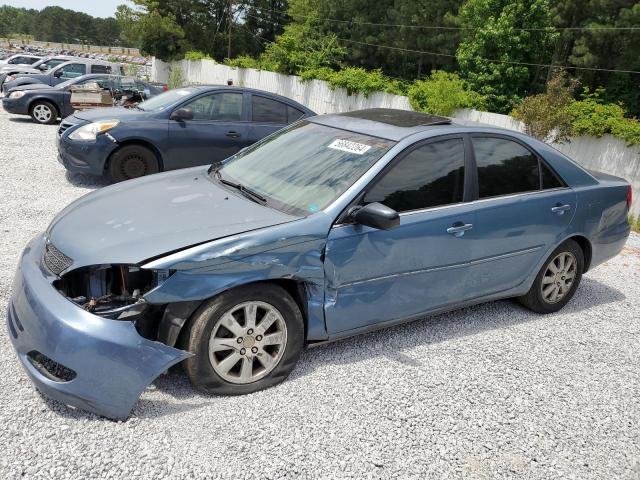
[
  {"x": 53, "y": 63},
  {"x": 73, "y": 70},
  {"x": 504, "y": 167},
  {"x": 225, "y": 107},
  {"x": 429, "y": 176},
  {"x": 293, "y": 114},
  {"x": 32, "y": 60},
  {"x": 266, "y": 110},
  {"x": 100, "y": 69},
  {"x": 16, "y": 60},
  {"x": 549, "y": 179}
]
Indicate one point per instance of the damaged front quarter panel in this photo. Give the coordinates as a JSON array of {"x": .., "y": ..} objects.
[{"x": 273, "y": 254}]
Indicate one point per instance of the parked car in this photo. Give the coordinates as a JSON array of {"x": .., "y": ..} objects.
[
  {"x": 334, "y": 226},
  {"x": 46, "y": 104},
  {"x": 181, "y": 128},
  {"x": 41, "y": 66},
  {"x": 62, "y": 73},
  {"x": 20, "y": 59}
]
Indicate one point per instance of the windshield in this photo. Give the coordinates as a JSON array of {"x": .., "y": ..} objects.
[
  {"x": 303, "y": 168},
  {"x": 164, "y": 100}
]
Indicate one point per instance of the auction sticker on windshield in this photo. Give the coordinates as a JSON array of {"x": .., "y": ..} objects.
[{"x": 351, "y": 147}]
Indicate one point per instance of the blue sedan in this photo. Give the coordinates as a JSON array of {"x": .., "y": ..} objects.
[
  {"x": 181, "y": 128},
  {"x": 334, "y": 226}
]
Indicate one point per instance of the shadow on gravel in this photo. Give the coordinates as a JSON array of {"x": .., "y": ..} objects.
[
  {"x": 24, "y": 119},
  {"x": 389, "y": 342},
  {"x": 86, "y": 181}
]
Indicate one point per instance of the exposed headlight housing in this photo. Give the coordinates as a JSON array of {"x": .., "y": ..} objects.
[
  {"x": 9, "y": 78},
  {"x": 91, "y": 131},
  {"x": 18, "y": 94}
]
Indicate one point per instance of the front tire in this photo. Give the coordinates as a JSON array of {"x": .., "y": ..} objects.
[
  {"x": 44, "y": 113},
  {"x": 132, "y": 161},
  {"x": 244, "y": 340},
  {"x": 557, "y": 280}
]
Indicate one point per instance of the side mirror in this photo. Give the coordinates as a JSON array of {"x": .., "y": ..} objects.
[
  {"x": 182, "y": 114},
  {"x": 58, "y": 73},
  {"x": 43, "y": 68},
  {"x": 376, "y": 215}
]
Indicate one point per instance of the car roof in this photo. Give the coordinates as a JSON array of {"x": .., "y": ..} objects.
[
  {"x": 392, "y": 124},
  {"x": 253, "y": 90}
]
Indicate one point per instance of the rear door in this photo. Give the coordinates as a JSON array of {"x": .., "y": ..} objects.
[
  {"x": 523, "y": 209},
  {"x": 268, "y": 115},
  {"x": 217, "y": 131}
]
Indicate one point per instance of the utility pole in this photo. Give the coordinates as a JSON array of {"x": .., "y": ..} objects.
[{"x": 229, "y": 23}]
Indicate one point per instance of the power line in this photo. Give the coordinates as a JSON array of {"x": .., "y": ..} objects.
[
  {"x": 448, "y": 55},
  {"x": 436, "y": 27}
]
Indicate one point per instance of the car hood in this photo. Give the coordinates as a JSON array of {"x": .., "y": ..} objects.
[
  {"x": 141, "y": 219},
  {"x": 33, "y": 86},
  {"x": 117, "y": 113}
]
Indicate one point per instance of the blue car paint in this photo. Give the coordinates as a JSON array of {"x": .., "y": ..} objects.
[
  {"x": 355, "y": 279},
  {"x": 177, "y": 144}
]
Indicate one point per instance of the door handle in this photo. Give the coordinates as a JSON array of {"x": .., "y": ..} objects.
[
  {"x": 458, "y": 228},
  {"x": 560, "y": 209},
  {"x": 232, "y": 134}
]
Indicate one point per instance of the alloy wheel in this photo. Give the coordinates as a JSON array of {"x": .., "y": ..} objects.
[
  {"x": 42, "y": 113},
  {"x": 559, "y": 277},
  {"x": 247, "y": 342}
]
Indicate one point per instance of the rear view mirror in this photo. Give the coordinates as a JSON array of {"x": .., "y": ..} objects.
[
  {"x": 376, "y": 215},
  {"x": 182, "y": 114}
]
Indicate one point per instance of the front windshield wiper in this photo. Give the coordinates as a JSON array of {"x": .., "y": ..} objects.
[{"x": 246, "y": 191}]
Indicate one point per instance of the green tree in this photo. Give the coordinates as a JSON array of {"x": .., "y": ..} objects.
[
  {"x": 494, "y": 32},
  {"x": 161, "y": 37},
  {"x": 442, "y": 94}
]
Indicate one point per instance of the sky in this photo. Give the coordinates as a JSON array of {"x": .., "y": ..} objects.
[{"x": 96, "y": 8}]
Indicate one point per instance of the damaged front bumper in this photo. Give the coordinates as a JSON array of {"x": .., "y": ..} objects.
[{"x": 80, "y": 359}]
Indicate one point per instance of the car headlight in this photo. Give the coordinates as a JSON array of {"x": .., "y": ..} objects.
[
  {"x": 18, "y": 94},
  {"x": 92, "y": 130}
]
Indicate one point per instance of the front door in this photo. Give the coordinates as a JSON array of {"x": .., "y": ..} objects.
[
  {"x": 523, "y": 210},
  {"x": 376, "y": 276},
  {"x": 217, "y": 131}
]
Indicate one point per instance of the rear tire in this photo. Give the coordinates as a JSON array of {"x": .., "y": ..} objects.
[
  {"x": 557, "y": 280},
  {"x": 234, "y": 354},
  {"x": 44, "y": 113},
  {"x": 132, "y": 161}
]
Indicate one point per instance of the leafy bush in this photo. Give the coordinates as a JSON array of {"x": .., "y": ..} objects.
[
  {"x": 442, "y": 94},
  {"x": 243, "y": 61},
  {"x": 176, "y": 77},
  {"x": 358, "y": 80},
  {"x": 591, "y": 116},
  {"x": 195, "y": 55},
  {"x": 545, "y": 116}
]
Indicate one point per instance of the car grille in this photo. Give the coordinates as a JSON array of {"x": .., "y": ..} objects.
[
  {"x": 55, "y": 260},
  {"x": 63, "y": 127}
]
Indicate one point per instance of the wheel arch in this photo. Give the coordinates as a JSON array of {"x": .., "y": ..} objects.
[
  {"x": 171, "y": 329},
  {"x": 140, "y": 142},
  {"x": 586, "y": 247},
  {"x": 37, "y": 100}
]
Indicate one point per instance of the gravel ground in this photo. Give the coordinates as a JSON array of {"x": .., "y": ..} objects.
[{"x": 492, "y": 391}]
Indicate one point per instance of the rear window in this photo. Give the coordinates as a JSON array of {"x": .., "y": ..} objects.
[
  {"x": 266, "y": 110},
  {"x": 100, "y": 69}
]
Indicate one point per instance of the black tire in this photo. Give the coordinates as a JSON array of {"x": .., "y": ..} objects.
[
  {"x": 43, "y": 112},
  {"x": 535, "y": 300},
  {"x": 199, "y": 368},
  {"x": 132, "y": 161}
]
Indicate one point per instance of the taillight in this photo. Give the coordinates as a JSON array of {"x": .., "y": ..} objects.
[
  {"x": 629, "y": 196},
  {"x": 165, "y": 88}
]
